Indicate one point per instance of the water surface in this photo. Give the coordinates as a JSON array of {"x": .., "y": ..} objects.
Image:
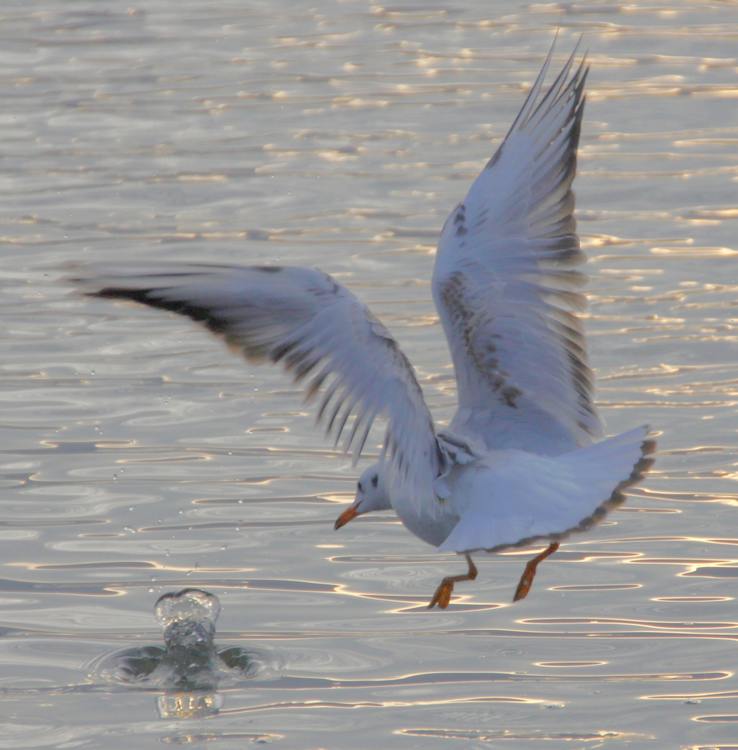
[{"x": 139, "y": 457}]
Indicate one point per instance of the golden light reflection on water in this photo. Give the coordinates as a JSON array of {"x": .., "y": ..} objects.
[
  {"x": 494, "y": 735},
  {"x": 692, "y": 599},
  {"x": 696, "y": 697},
  {"x": 366, "y": 704},
  {"x": 696, "y": 252}
]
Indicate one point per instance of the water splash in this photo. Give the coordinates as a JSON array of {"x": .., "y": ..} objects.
[{"x": 189, "y": 667}]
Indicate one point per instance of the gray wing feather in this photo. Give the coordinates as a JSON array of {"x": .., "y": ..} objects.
[
  {"x": 506, "y": 286},
  {"x": 316, "y": 328}
]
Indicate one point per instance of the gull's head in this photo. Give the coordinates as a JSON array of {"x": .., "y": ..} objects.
[{"x": 371, "y": 494}]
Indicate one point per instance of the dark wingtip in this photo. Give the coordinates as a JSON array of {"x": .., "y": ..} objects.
[
  {"x": 152, "y": 297},
  {"x": 111, "y": 292}
]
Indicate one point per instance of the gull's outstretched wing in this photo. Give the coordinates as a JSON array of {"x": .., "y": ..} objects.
[
  {"x": 505, "y": 286},
  {"x": 315, "y": 327}
]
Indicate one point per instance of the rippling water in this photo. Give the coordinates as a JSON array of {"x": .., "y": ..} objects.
[{"x": 138, "y": 457}]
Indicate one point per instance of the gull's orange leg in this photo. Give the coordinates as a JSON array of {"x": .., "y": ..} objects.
[
  {"x": 445, "y": 588},
  {"x": 526, "y": 580}
]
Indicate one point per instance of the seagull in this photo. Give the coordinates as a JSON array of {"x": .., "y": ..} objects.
[{"x": 523, "y": 460}]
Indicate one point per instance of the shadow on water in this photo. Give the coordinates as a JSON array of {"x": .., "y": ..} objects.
[{"x": 189, "y": 667}]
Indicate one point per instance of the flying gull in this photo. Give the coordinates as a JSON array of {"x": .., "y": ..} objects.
[{"x": 524, "y": 460}]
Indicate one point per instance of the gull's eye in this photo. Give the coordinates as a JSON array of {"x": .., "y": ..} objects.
[
  {"x": 375, "y": 479},
  {"x": 361, "y": 489}
]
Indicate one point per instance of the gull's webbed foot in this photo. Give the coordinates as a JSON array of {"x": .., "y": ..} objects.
[
  {"x": 442, "y": 596},
  {"x": 526, "y": 580}
]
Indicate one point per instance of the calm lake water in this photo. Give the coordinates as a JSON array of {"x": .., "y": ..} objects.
[{"x": 139, "y": 457}]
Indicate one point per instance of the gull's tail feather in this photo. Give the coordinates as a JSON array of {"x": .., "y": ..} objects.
[{"x": 526, "y": 498}]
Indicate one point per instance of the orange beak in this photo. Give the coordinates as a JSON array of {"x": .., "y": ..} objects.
[{"x": 348, "y": 515}]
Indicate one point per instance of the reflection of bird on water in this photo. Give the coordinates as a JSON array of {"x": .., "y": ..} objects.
[
  {"x": 519, "y": 462},
  {"x": 190, "y": 666}
]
